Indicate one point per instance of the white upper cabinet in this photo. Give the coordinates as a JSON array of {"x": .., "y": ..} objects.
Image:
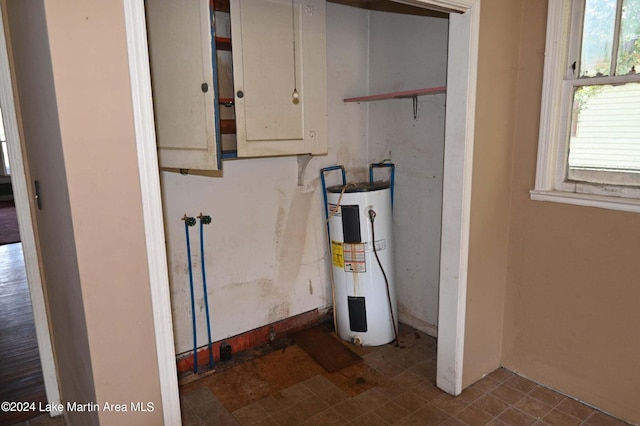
[
  {"x": 279, "y": 46},
  {"x": 179, "y": 36}
]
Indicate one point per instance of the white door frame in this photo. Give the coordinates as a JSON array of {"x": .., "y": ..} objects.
[{"x": 20, "y": 184}]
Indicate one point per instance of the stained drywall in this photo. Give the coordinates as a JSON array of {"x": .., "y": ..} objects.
[
  {"x": 266, "y": 249},
  {"x": 410, "y": 52}
]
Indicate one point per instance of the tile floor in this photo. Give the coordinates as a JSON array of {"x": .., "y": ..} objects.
[{"x": 393, "y": 385}]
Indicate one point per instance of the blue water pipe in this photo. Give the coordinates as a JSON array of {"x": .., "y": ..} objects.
[
  {"x": 190, "y": 221},
  {"x": 392, "y": 178},
  {"x": 205, "y": 220},
  {"x": 324, "y": 188}
]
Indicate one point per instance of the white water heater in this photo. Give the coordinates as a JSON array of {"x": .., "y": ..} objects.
[{"x": 365, "y": 299}]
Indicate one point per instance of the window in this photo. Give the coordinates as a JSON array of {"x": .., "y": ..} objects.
[
  {"x": 589, "y": 146},
  {"x": 5, "y": 170}
]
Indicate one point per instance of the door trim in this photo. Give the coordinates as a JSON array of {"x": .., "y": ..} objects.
[
  {"x": 144, "y": 123},
  {"x": 26, "y": 225}
]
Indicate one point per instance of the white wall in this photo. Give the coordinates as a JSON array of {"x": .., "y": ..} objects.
[
  {"x": 266, "y": 247},
  {"x": 410, "y": 52}
]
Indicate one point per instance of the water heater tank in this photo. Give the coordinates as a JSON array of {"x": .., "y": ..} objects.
[{"x": 365, "y": 302}]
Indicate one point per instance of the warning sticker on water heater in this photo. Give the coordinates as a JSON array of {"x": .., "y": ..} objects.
[
  {"x": 336, "y": 254},
  {"x": 354, "y": 257}
]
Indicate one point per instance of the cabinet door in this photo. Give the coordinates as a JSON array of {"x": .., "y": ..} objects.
[
  {"x": 269, "y": 120},
  {"x": 179, "y": 33}
]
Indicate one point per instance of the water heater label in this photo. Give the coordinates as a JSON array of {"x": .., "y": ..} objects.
[
  {"x": 354, "y": 258},
  {"x": 334, "y": 210},
  {"x": 380, "y": 245},
  {"x": 336, "y": 254}
]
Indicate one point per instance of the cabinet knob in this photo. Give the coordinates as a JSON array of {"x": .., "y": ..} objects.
[
  {"x": 204, "y": 87},
  {"x": 240, "y": 93}
]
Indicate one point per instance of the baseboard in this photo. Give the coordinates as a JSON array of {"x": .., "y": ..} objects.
[
  {"x": 257, "y": 337},
  {"x": 418, "y": 324}
]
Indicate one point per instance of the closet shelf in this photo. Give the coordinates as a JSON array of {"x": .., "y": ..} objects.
[{"x": 399, "y": 95}]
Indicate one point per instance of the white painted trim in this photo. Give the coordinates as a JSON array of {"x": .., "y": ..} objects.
[
  {"x": 456, "y": 204},
  {"x": 554, "y": 68},
  {"x": 588, "y": 200},
  {"x": 152, "y": 206},
  {"x": 19, "y": 182},
  {"x": 454, "y": 5},
  {"x": 558, "y": 81},
  {"x": 418, "y": 324}
]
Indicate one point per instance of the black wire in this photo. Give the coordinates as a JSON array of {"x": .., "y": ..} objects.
[{"x": 372, "y": 216}]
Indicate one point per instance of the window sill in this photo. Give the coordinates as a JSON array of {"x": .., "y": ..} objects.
[{"x": 587, "y": 200}]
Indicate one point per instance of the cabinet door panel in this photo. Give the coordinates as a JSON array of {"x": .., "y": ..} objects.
[
  {"x": 179, "y": 33},
  {"x": 268, "y": 120}
]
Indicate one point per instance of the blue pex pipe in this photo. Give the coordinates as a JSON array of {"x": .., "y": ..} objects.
[
  {"x": 193, "y": 303},
  {"x": 204, "y": 286},
  {"x": 324, "y": 188},
  {"x": 392, "y": 178}
]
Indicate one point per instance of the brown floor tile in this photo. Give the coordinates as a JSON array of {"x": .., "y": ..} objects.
[
  {"x": 491, "y": 404},
  {"x": 391, "y": 412},
  {"x": 431, "y": 415},
  {"x": 533, "y": 407},
  {"x": 474, "y": 416},
  {"x": 311, "y": 406},
  {"x": 327, "y": 417},
  {"x": 350, "y": 409},
  {"x": 497, "y": 422},
  {"x": 575, "y": 408},
  {"x": 507, "y": 394},
  {"x": 332, "y": 395},
  {"x": 274, "y": 403},
  {"x": 267, "y": 421},
  {"x": 407, "y": 379},
  {"x": 427, "y": 391},
  {"x": 599, "y": 418},
  {"x": 317, "y": 383},
  {"x": 471, "y": 394},
  {"x": 412, "y": 420},
  {"x": 546, "y": 395},
  {"x": 393, "y": 386},
  {"x": 410, "y": 401},
  {"x": 515, "y": 417},
  {"x": 371, "y": 398},
  {"x": 558, "y": 418},
  {"x": 250, "y": 414},
  {"x": 520, "y": 383},
  {"x": 369, "y": 418},
  {"x": 289, "y": 417},
  {"x": 500, "y": 375},
  {"x": 486, "y": 385},
  {"x": 452, "y": 421},
  {"x": 449, "y": 404},
  {"x": 425, "y": 370}
]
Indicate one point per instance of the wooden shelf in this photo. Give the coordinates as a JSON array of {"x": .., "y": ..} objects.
[
  {"x": 223, "y": 43},
  {"x": 399, "y": 95},
  {"x": 228, "y": 127}
]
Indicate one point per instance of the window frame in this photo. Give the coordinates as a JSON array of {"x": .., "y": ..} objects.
[{"x": 563, "y": 19}]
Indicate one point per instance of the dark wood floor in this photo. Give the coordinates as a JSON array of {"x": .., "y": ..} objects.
[{"x": 20, "y": 369}]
